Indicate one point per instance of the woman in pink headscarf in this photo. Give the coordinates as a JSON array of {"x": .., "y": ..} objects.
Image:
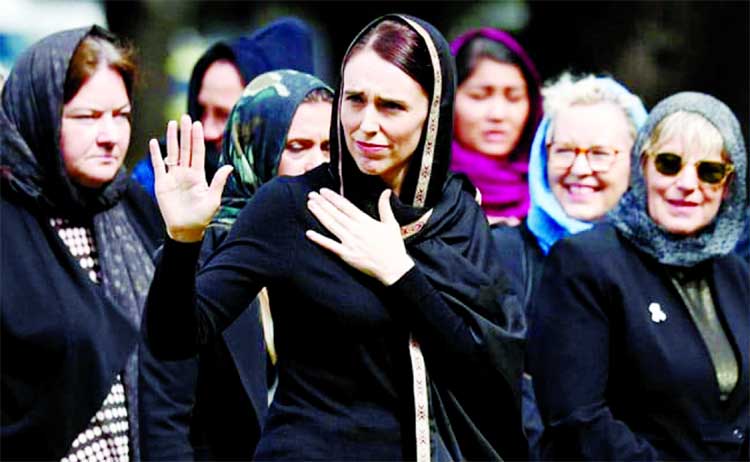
[{"x": 498, "y": 107}]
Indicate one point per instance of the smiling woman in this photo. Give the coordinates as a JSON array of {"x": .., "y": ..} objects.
[
  {"x": 686, "y": 169},
  {"x": 642, "y": 342}
]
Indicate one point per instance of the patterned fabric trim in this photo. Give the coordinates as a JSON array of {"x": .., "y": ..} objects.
[
  {"x": 416, "y": 226},
  {"x": 428, "y": 153},
  {"x": 421, "y": 409},
  {"x": 80, "y": 242},
  {"x": 340, "y": 142},
  {"x": 106, "y": 437}
]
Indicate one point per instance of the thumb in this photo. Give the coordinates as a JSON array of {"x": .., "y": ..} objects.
[
  {"x": 220, "y": 179},
  {"x": 384, "y": 207}
]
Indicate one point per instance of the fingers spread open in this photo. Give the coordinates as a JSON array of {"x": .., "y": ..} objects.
[
  {"x": 329, "y": 216},
  {"x": 199, "y": 148},
  {"x": 343, "y": 204},
  {"x": 173, "y": 148},
  {"x": 220, "y": 179},
  {"x": 156, "y": 161},
  {"x": 325, "y": 242},
  {"x": 185, "y": 135}
]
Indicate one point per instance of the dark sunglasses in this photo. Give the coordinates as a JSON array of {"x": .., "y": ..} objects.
[{"x": 711, "y": 172}]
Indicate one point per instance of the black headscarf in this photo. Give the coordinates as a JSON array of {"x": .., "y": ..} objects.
[
  {"x": 474, "y": 405},
  {"x": 285, "y": 43},
  {"x": 30, "y": 120},
  {"x": 33, "y": 174}
]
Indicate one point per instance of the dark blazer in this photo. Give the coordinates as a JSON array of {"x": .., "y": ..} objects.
[
  {"x": 615, "y": 384},
  {"x": 521, "y": 257},
  {"x": 63, "y": 341}
]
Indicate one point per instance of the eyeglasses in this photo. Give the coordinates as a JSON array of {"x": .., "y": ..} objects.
[
  {"x": 712, "y": 172},
  {"x": 600, "y": 158}
]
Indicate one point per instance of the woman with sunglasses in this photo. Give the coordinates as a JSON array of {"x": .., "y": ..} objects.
[{"x": 639, "y": 345}]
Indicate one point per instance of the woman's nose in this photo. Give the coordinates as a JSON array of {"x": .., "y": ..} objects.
[
  {"x": 108, "y": 130},
  {"x": 497, "y": 109},
  {"x": 315, "y": 157},
  {"x": 687, "y": 178},
  {"x": 581, "y": 165},
  {"x": 213, "y": 127},
  {"x": 369, "y": 124}
]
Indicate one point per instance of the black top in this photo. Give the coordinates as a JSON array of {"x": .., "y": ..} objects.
[
  {"x": 208, "y": 407},
  {"x": 620, "y": 369},
  {"x": 345, "y": 386},
  {"x": 345, "y": 382}
]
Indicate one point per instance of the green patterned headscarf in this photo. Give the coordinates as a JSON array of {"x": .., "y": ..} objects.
[{"x": 255, "y": 134}]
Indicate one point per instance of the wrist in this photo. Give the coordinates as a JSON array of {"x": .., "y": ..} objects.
[
  {"x": 396, "y": 271},
  {"x": 186, "y": 235}
]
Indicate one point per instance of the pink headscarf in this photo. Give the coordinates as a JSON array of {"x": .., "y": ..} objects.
[{"x": 502, "y": 182}]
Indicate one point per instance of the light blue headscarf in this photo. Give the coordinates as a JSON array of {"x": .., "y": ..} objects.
[{"x": 547, "y": 220}]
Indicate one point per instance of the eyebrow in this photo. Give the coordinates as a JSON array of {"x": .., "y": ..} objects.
[
  {"x": 93, "y": 109},
  {"x": 382, "y": 99}
]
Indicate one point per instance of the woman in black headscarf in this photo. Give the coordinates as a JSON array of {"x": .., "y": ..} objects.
[
  {"x": 212, "y": 406},
  {"x": 77, "y": 236},
  {"x": 395, "y": 332}
]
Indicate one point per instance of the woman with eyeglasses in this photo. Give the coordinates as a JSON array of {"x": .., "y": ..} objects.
[
  {"x": 578, "y": 170},
  {"x": 639, "y": 345}
]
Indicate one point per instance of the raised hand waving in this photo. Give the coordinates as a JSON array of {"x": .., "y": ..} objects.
[{"x": 187, "y": 203}]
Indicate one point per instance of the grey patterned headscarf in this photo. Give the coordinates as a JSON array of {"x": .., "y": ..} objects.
[
  {"x": 32, "y": 172},
  {"x": 718, "y": 238}
]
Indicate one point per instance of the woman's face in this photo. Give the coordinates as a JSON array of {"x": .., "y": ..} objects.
[
  {"x": 220, "y": 88},
  {"x": 382, "y": 114},
  {"x": 307, "y": 140},
  {"x": 583, "y": 193},
  {"x": 95, "y": 130},
  {"x": 492, "y": 107},
  {"x": 682, "y": 204}
]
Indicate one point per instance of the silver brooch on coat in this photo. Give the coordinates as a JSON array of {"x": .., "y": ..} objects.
[{"x": 657, "y": 314}]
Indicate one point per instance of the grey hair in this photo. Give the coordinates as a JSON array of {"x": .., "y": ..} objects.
[{"x": 569, "y": 90}]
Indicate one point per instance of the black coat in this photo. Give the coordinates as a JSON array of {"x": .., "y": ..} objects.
[
  {"x": 613, "y": 384},
  {"x": 63, "y": 340},
  {"x": 521, "y": 257}
]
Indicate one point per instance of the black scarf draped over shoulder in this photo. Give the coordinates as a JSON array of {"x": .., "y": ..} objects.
[
  {"x": 475, "y": 408},
  {"x": 64, "y": 338}
]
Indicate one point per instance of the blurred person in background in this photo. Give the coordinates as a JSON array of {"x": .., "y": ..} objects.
[
  {"x": 640, "y": 334},
  {"x": 77, "y": 239},
  {"x": 222, "y": 72},
  {"x": 498, "y": 107},
  {"x": 579, "y": 167},
  {"x": 280, "y": 126}
]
